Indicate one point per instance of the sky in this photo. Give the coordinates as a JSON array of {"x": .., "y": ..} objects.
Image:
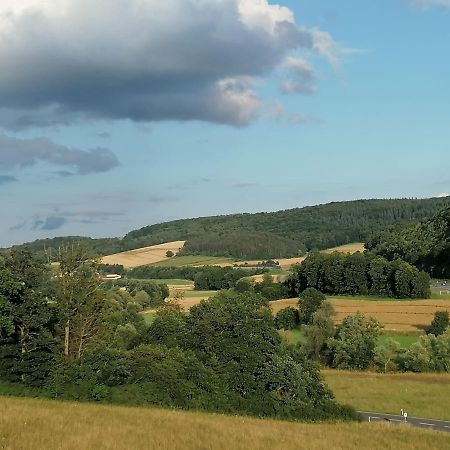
[{"x": 134, "y": 112}]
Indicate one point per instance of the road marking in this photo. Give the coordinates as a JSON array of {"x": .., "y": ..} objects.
[{"x": 428, "y": 424}]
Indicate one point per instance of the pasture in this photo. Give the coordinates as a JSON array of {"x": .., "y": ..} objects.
[
  {"x": 145, "y": 255},
  {"x": 50, "y": 425},
  {"x": 194, "y": 260},
  {"x": 420, "y": 394}
]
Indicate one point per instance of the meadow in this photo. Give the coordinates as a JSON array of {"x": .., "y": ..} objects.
[
  {"x": 421, "y": 394},
  {"x": 45, "y": 424}
]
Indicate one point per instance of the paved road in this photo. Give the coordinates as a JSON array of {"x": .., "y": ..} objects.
[{"x": 430, "y": 424}]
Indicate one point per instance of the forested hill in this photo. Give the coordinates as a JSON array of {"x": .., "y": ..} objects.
[
  {"x": 426, "y": 245},
  {"x": 269, "y": 235}
]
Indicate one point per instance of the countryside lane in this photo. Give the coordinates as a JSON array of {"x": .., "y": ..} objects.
[{"x": 431, "y": 424}]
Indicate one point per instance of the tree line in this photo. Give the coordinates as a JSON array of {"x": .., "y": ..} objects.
[{"x": 359, "y": 274}]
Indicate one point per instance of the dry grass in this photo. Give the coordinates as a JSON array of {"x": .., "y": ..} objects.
[
  {"x": 347, "y": 248},
  {"x": 422, "y": 395},
  {"x": 145, "y": 255},
  {"x": 38, "y": 424},
  {"x": 396, "y": 315}
]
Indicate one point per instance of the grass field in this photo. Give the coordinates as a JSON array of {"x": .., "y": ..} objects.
[
  {"x": 405, "y": 340},
  {"x": 27, "y": 424},
  {"x": 395, "y": 315},
  {"x": 180, "y": 261},
  {"x": 145, "y": 255},
  {"x": 421, "y": 395}
]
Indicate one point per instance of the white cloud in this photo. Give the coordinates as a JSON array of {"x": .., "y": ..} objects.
[{"x": 144, "y": 60}]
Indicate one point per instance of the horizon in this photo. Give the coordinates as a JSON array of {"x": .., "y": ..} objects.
[
  {"x": 49, "y": 237},
  {"x": 140, "y": 113}
]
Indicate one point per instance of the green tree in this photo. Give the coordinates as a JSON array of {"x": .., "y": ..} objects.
[
  {"x": 439, "y": 324},
  {"x": 388, "y": 356},
  {"x": 27, "y": 339},
  {"x": 287, "y": 319},
  {"x": 319, "y": 332},
  {"x": 80, "y": 300},
  {"x": 355, "y": 341},
  {"x": 310, "y": 301}
]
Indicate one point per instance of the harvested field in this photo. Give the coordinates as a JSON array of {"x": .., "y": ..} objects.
[
  {"x": 50, "y": 425},
  {"x": 196, "y": 261},
  {"x": 347, "y": 248},
  {"x": 192, "y": 298},
  {"x": 145, "y": 255},
  {"x": 395, "y": 315}
]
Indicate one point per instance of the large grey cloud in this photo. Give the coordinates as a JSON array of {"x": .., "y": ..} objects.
[
  {"x": 20, "y": 153},
  {"x": 144, "y": 60}
]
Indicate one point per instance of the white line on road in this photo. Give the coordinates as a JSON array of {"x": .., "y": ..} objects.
[{"x": 428, "y": 424}]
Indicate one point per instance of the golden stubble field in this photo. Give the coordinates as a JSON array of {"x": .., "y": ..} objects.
[
  {"x": 145, "y": 255},
  {"x": 30, "y": 424},
  {"x": 395, "y": 315}
]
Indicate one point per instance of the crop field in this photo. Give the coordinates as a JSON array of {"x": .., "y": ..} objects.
[
  {"x": 27, "y": 424},
  {"x": 395, "y": 315},
  {"x": 421, "y": 395},
  {"x": 347, "y": 248},
  {"x": 191, "y": 298},
  {"x": 145, "y": 255}
]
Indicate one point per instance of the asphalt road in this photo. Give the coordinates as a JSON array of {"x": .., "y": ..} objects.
[{"x": 431, "y": 424}]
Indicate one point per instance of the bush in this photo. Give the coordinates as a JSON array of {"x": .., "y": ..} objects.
[
  {"x": 440, "y": 323},
  {"x": 287, "y": 319}
]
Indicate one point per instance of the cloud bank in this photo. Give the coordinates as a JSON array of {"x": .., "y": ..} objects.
[
  {"x": 21, "y": 153},
  {"x": 144, "y": 60}
]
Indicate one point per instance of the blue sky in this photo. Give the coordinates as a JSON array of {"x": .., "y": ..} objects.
[{"x": 110, "y": 121}]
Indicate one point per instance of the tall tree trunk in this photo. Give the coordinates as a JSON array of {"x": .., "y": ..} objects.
[{"x": 66, "y": 339}]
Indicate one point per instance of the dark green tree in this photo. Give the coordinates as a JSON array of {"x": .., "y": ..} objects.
[
  {"x": 310, "y": 301},
  {"x": 439, "y": 324},
  {"x": 287, "y": 319}
]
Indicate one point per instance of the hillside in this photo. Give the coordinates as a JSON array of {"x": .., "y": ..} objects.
[
  {"x": 279, "y": 234},
  {"x": 426, "y": 245},
  {"x": 43, "y": 424}
]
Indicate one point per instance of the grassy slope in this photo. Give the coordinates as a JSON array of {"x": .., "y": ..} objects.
[
  {"x": 43, "y": 424},
  {"x": 180, "y": 261},
  {"x": 421, "y": 395}
]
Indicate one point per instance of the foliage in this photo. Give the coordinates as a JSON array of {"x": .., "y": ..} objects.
[
  {"x": 440, "y": 323},
  {"x": 287, "y": 319},
  {"x": 310, "y": 301},
  {"x": 425, "y": 245},
  {"x": 359, "y": 274},
  {"x": 355, "y": 341},
  {"x": 319, "y": 332}
]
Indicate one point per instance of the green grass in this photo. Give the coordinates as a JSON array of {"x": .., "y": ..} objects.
[
  {"x": 195, "y": 294},
  {"x": 172, "y": 282},
  {"x": 405, "y": 340},
  {"x": 293, "y": 336},
  {"x": 180, "y": 261},
  {"x": 149, "y": 316},
  {"x": 421, "y": 395}
]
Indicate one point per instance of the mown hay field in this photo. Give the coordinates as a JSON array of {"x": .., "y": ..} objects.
[
  {"x": 420, "y": 394},
  {"x": 347, "y": 248},
  {"x": 27, "y": 424},
  {"x": 395, "y": 315},
  {"x": 145, "y": 255}
]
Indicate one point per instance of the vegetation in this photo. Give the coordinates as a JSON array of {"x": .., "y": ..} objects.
[
  {"x": 426, "y": 245},
  {"x": 440, "y": 323},
  {"x": 48, "y": 423},
  {"x": 359, "y": 274},
  {"x": 266, "y": 235},
  {"x": 79, "y": 341}
]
